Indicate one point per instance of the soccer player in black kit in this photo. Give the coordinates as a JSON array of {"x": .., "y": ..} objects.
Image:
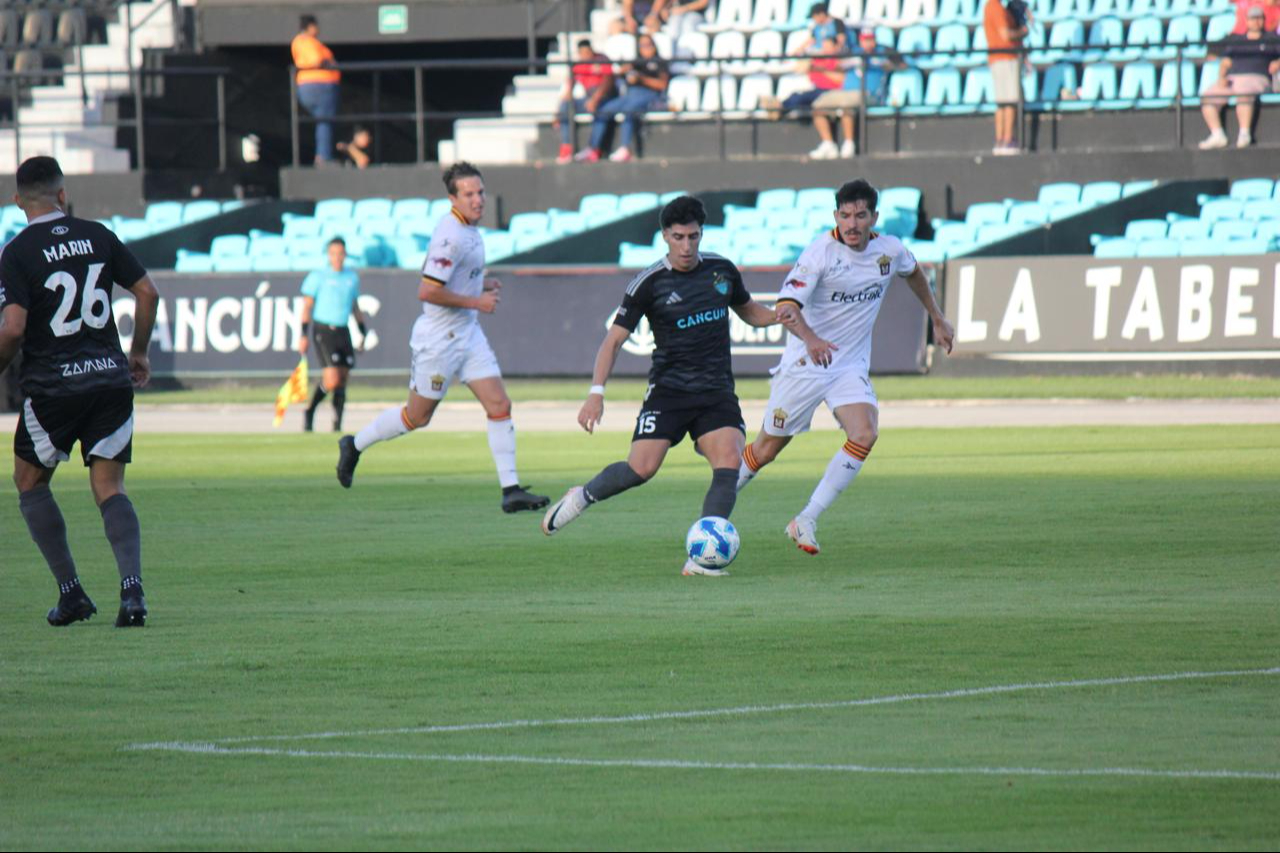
[
  {"x": 687, "y": 297},
  {"x": 55, "y": 304}
]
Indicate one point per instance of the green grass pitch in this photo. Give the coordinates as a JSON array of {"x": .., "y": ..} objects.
[{"x": 961, "y": 559}]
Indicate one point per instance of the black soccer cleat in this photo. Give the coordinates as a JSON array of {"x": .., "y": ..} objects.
[
  {"x": 71, "y": 608},
  {"x": 517, "y": 500},
  {"x": 133, "y": 612},
  {"x": 348, "y": 458}
]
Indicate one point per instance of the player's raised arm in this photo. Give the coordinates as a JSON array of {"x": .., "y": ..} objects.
[
  {"x": 593, "y": 409},
  {"x": 144, "y": 322},
  {"x": 943, "y": 333}
]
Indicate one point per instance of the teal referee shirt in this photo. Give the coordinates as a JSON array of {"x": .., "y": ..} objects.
[{"x": 334, "y": 292}]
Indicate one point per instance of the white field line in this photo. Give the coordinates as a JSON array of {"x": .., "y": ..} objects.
[
  {"x": 746, "y": 709},
  {"x": 664, "y": 764}
]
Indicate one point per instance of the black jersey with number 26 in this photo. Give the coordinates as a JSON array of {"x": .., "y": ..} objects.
[
  {"x": 688, "y": 314},
  {"x": 61, "y": 270}
]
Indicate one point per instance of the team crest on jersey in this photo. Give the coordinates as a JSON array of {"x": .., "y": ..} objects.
[
  {"x": 884, "y": 261},
  {"x": 795, "y": 283},
  {"x": 437, "y": 382},
  {"x": 719, "y": 283},
  {"x": 779, "y": 419}
]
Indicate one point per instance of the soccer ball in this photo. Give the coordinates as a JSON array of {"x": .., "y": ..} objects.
[{"x": 712, "y": 542}]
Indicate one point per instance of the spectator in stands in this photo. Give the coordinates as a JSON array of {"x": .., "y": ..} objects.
[
  {"x": 1270, "y": 15},
  {"x": 824, "y": 27},
  {"x": 646, "y": 82},
  {"x": 643, "y": 15},
  {"x": 594, "y": 73},
  {"x": 1248, "y": 61},
  {"x": 878, "y": 61},
  {"x": 357, "y": 151},
  {"x": 1004, "y": 44},
  {"x": 824, "y": 76},
  {"x": 684, "y": 17},
  {"x": 318, "y": 78}
]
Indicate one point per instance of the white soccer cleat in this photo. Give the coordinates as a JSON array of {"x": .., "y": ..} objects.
[
  {"x": 804, "y": 532},
  {"x": 564, "y": 510},
  {"x": 691, "y": 568}
]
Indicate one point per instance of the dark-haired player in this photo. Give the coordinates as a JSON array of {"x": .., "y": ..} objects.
[
  {"x": 829, "y": 303},
  {"x": 55, "y": 291},
  {"x": 448, "y": 344},
  {"x": 329, "y": 299},
  {"x": 687, "y": 297}
]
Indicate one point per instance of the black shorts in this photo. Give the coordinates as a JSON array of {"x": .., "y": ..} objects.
[
  {"x": 672, "y": 416},
  {"x": 102, "y": 421},
  {"x": 333, "y": 346}
]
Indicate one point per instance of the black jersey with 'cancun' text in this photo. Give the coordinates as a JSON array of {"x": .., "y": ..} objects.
[
  {"x": 61, "y": 270},
  {"x": 688, "y": 313}
]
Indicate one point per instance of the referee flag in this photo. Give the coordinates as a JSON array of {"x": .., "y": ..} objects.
[{"x": 294, "y": 390}]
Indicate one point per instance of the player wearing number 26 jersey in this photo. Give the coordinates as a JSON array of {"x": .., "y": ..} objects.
[{"x": 55, "y": 300}]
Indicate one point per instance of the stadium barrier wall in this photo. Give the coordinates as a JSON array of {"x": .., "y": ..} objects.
[
  {"x": 550, "y": 323},
  {"x": 1056, "y": 310}
]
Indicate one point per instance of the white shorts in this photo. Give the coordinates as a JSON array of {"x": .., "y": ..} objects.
[
  {"x": 794, "y": 397},
  {"x": 437, "y": 364}
]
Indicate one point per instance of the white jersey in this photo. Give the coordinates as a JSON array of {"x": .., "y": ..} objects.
[
  {"x": 840, "y": 291},
  {"x": 455, "y": 260}
]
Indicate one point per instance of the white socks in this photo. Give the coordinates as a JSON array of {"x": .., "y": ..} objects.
[
  {"x": 747, "y": 468},
  {"x": 841, "y": 470},
  {"x": 502, "y": 444},
  {"x": 390, "y": 423}
]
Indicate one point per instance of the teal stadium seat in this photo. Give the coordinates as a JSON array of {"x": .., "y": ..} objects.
[
  {"x": 1105, "y": 41},
  {"x": 334, "y": 210},
  {"x": 1098, "y": 85},
  {"x": 411, "y": 208},
  {"x": 1171, "y": 80},
  {"x": 1115, "y": 247},
  {"x": 599, "y": 208},
  {"x": 1200, "y": 248},
  {"x": 193, "y": 262},
  {"x": 1057, "y": 78},
  {"x": 987, "y": 213},
  {"x": 636, "y": 202},
  {"x": 194, "y": 211},
  {"x": 440, "y": 208},
  {"x": 273, "y": 262},
  {"x": 1064, "y": 192},
  {"x": 296, "y": 227},
  {"x": 1028, "y": 214},
  {"x": 1185, "y": 30},
  {"x": 916, "y": 38},
  {"x": 1261, "y": 208},
  {"x": 1250, "y": 189},
  {"x": 815, "y": 198},
  {"x": 229, "y": 246},
  {"x": 1146, "y": 229},
  {"x": 498, "y": 245},
  {"x": 1138, "y": 83},
  {"x": 376, "y": 226},
  {"x": 959, "y": 12},
  {"x": 529, "y": 224},
  {"x": 1188, "y": 229},
  {"x": 163, "y": 215},
  {"x": 744, "y": 218},
  {"x": 763, "y": 255},
  {"x": 928, "y": 251},
  {"x": 1135, "y": 187},
  {"x": 633, "y": 255},
  {"x": 953, "y": 37},
  {"x": 1066, "y": 40},
  {"x": 232, "y": 263},
  {"x": 783, "y": 198},
  {"x": 789, "y": 218},
  {"x": 1221, "y": 208},
  {"x": 1233, "y": 229},
  {"x": 978, "y": 54},
  {"x": 943, "y": 88},
  {"x": 371, "y": 208},
  {"x": 906, "y": 88},
  {"x": 1160, "y": 247}
]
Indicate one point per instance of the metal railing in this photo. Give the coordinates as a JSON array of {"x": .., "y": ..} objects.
[
  {"x": 721, "y": 116},
  {"x": 13, "y": 83}
]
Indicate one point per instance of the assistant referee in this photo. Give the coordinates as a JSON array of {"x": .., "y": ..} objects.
[{"x": 330, "y": 301}]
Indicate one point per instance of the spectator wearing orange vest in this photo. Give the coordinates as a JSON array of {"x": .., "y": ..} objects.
[{"x": 317, "y": 83}]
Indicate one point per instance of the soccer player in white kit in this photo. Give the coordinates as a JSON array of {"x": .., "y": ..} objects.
[
  {"x": 448, "y": 344},
  {"x": 829, "y": 304}
]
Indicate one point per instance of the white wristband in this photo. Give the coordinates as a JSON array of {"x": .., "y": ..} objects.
[{"x": 596, "y": 389}]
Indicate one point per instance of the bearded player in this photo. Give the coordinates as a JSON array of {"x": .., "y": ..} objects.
[{"x": 829, "y": 304}]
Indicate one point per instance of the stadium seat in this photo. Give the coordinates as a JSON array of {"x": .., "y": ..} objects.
[
  {"x": 1099, "y": 192},
  {"x": 1097, "y": 85},
  {"x": 1198, "y": 248},
  {"x": 1159, "y": 248},
  {"x": 566, "y": 222},
  {"x": 739, "y": 219},
  {"x": 761, "y": 255},
  {"x": 977, "y": 92},
  {"x": 943, "y": 88},
  {"x": 959, "y": 11},
  {"x": 1058, "y": 193},
  {"x": 917, "y": 38},
  {"x": 411, "y": 208},
  {"x": 752, "y": 89},
  {"x": 727, "y": 51},
  {"x": 1028, "y": 213},
  {"x": 232, "y": 263},
  {"x": 1146, "y": 229},
  {"x": 1115, "y": 247},
  {"x": 901, "y": 198},
  {"x": 978, "y": 56},
  {"x": 532, "y": 224},
  {"x": 334, "y": 210},
  {"x": 1171, "y": 81},
  {"x": 376, "y": 226},
  {"x": 1188, "y": 229},
  {"x": 815, "y": 198},
  {"x": 720, "y": 94},
  {"x": 1066, "y": 40},
  {"x": 1261, "y": 209},
  {"x": 498, "y": 245},
  {"x": 230, "y": 245},
  {"x": 1221, "y": 208},
  {"x": 1269, "y": 229},
  {"x": 928, "y": 251},
  {"x": 440, "y": 208},
  {"x": 1105, "y": 41},
  {"x": 636, "y": 202},
  {"x": 163, "y": 215},
  {"x": 1185, "y": 30},
  {"x": 1135, "y": 187},
  {"x": 783, "y": 198},
  {"x": 599, "y": 208},
  {"x": 371, "y": 208},
  {"x": 906, "y": 87},
  {"x": 958, "y": 236},
  {"x": 620, "y": 47},
  {"x": 987, "y": 213},
  {"x": 766, "y": 43},
  {"x": 1249, "y": 189},
  {"x": 272, "y": 262},
  {"x": 1232, "y": 229},
  {"x": 952, "y": 37},
  {"x": 193, "y": 262},
  {"x": 194, "y": 211},
  {"x": 1058, "y": 78},
  {"x": 1138, "y": 81},
  {"x": 1219, "y": 27},
  {"x": 684, "y": 94}
]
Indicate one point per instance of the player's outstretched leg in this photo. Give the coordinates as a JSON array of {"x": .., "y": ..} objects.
[
  {"x": 748, "y": 467},
  {"x": 120, "y": 522},
  {"x": 841, "y": 470},
  {"x": 49, "y": 531},
  {"x": 614, "y": 479},
  {"x": 390, "y": 423}
]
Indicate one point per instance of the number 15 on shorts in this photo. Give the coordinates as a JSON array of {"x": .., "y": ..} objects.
[{"x": 646, "y": 423}]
